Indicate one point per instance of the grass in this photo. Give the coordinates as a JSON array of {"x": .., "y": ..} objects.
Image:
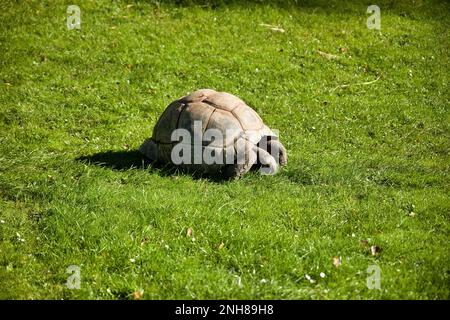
[{"x": 368, "y": 163}]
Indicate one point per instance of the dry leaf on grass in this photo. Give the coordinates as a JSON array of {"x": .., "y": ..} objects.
[
  {"x": 137, "y": 295},
  {"x": 375, "y": 250},
  {"x": 144, "y": 241},
  {"x": 221, "y": 246},
  {"x": 189, "y": 232},
  {"x": 337, "y": 261}
]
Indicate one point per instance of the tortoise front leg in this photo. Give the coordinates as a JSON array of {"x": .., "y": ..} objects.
[
  {"x": 269, "y": 164},
  {"x": 244, "y": 158},
  {"x": 275, "y": 148}
]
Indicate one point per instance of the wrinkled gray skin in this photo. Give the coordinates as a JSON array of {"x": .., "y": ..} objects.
[{"x": 222, "y": 111}]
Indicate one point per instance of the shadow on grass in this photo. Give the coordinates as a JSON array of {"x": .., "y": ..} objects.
[
  {"x": 133, "y": 159},
  {"x": 117, "y": 160}
]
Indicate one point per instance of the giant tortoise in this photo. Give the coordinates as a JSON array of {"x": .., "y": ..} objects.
[{"x": 214, "y": 132}]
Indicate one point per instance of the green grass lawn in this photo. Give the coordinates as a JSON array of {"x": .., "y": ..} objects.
[{"x": 363, "y": 113}]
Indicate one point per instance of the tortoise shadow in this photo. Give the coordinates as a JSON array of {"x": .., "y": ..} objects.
[
  {"x": 134, "y": 160},
  {"x": 117, "y": 160}
]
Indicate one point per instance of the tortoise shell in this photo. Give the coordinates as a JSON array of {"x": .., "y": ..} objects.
[{"x": 216, "y": 110}]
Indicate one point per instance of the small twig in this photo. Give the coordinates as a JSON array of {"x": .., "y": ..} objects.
[
  {"x": 356, "y": 84},
  {"x": 272, "y": 27},
  {"x": 328, "y": 56}
]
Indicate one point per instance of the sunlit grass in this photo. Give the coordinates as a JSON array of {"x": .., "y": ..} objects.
[{"x": 367, "y": 133}]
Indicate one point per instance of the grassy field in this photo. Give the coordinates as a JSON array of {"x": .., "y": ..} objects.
[{"x": 363, "y": 113}]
